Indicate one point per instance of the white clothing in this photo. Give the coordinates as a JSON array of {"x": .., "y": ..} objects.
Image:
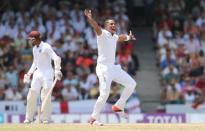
[
  {"x": 167, "y": 71},
  {"x": 43, "y": 74},
  {"x": 200, "y": 21},
  {"x": 9, "y": 94},
  {"x": 78, "y": 26},
  {"x": 42, "y": 57},
  {"x": 42, "y": 67},
  {"x": 162, "y": 41},
  {"x": 40, "y": 79},
  {"x": 164, "y": 57},
  {"x": 107, "y": 72},
  {"x": 106, "y": 43},
  {"x": 189, "y": 98},
  {"x": 193, "y": 46},
  {"x": 91, "y": 79},
  {"x": 70, "y": 94}
]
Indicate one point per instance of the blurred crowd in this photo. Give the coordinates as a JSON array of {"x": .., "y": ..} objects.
[
  {"x": 179, "y": 31},
  {"x": 63, "y": 25}
]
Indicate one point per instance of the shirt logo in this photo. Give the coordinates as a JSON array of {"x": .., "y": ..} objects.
[{"x": 40, "y": 51}]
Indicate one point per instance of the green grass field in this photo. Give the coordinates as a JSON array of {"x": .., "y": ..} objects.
[{"x": 107, "y": 127}]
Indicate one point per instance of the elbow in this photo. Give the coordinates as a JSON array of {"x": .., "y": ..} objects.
[
  {"x": 58, "y": 58},
  {"x": 57, "y": 62}
]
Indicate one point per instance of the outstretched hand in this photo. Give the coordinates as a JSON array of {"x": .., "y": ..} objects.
[
  {"x": 88, "y": 13},
  {"x": 132, "y": 37}
]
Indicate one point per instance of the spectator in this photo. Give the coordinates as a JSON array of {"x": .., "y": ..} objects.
[
  {"x": 189, "y": 96},
  {"x": 180, "y": 49},
  {"x": 197, "y": 65},
  {"x": 12, "y": 76},
  {"x": 192, "y": 44},
  {"x": 172, "y": 95},
  {"x": 69, "y": 92},
  {"x": 170, "y": 73},
  {"x": 9, "y": 93},
  {"x": 3, "y": 81}
]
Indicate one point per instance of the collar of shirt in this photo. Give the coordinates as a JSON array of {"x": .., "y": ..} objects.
[
  {"x": 107, "y": 32},
  {"x": 40, "y": 45}
]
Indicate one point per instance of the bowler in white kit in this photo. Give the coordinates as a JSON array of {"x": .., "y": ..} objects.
[
  {"x": 106, "y": 69},
  {"x": 43, "y": 75}
]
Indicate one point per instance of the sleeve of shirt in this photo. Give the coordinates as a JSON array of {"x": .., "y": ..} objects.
[
  {"x": 33, "y": 67},
  {"x": 50, "y": 52},
  {"x": 54, "y": 57},
  {"x": 116, "y": 37},
  {"x": 102, "y": 35}
]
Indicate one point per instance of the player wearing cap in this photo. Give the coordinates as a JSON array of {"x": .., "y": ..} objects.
[
  {"x": 106, "y": 69},
  {"x": 43, "y": 75}
]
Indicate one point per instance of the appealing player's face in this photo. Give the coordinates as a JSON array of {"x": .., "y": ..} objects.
[{"x": 111, "y": 26}]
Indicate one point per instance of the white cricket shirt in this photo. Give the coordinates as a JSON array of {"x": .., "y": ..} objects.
[
  {"x": 42, "y": 56},
  {"x": 106, "y": 43}
]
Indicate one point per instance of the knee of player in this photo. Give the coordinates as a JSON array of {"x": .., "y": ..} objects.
[
  {"x": 104, "y": 96},
  {"x": 31, "y": 95}
]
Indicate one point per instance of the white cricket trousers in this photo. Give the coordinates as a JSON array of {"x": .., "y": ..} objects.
[
  {"x": 106, "y": 74},
  {"x": 40, "y": 85}
]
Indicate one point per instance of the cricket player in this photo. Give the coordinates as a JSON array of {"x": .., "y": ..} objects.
[
  {"x": 106, "y": 70},
  {"x": 43, "y": 75}
]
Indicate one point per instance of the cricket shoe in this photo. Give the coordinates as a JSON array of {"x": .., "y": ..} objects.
[
  {"x": 26, "y": 121},
  {"x": 116, "y": 108},
  {"x": 119, "y": 111},
  {"x": 93, "y": 121}
]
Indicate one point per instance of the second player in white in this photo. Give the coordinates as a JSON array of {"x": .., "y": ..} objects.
[{"x": 43, "y": 75}]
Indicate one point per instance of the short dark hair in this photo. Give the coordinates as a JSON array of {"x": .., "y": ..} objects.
[{"x": 107, "y": 20}]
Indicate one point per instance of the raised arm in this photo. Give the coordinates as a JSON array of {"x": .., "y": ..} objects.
[
  {"x": 92, "y": 22},
  {"x": 124, "y": 37}
]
